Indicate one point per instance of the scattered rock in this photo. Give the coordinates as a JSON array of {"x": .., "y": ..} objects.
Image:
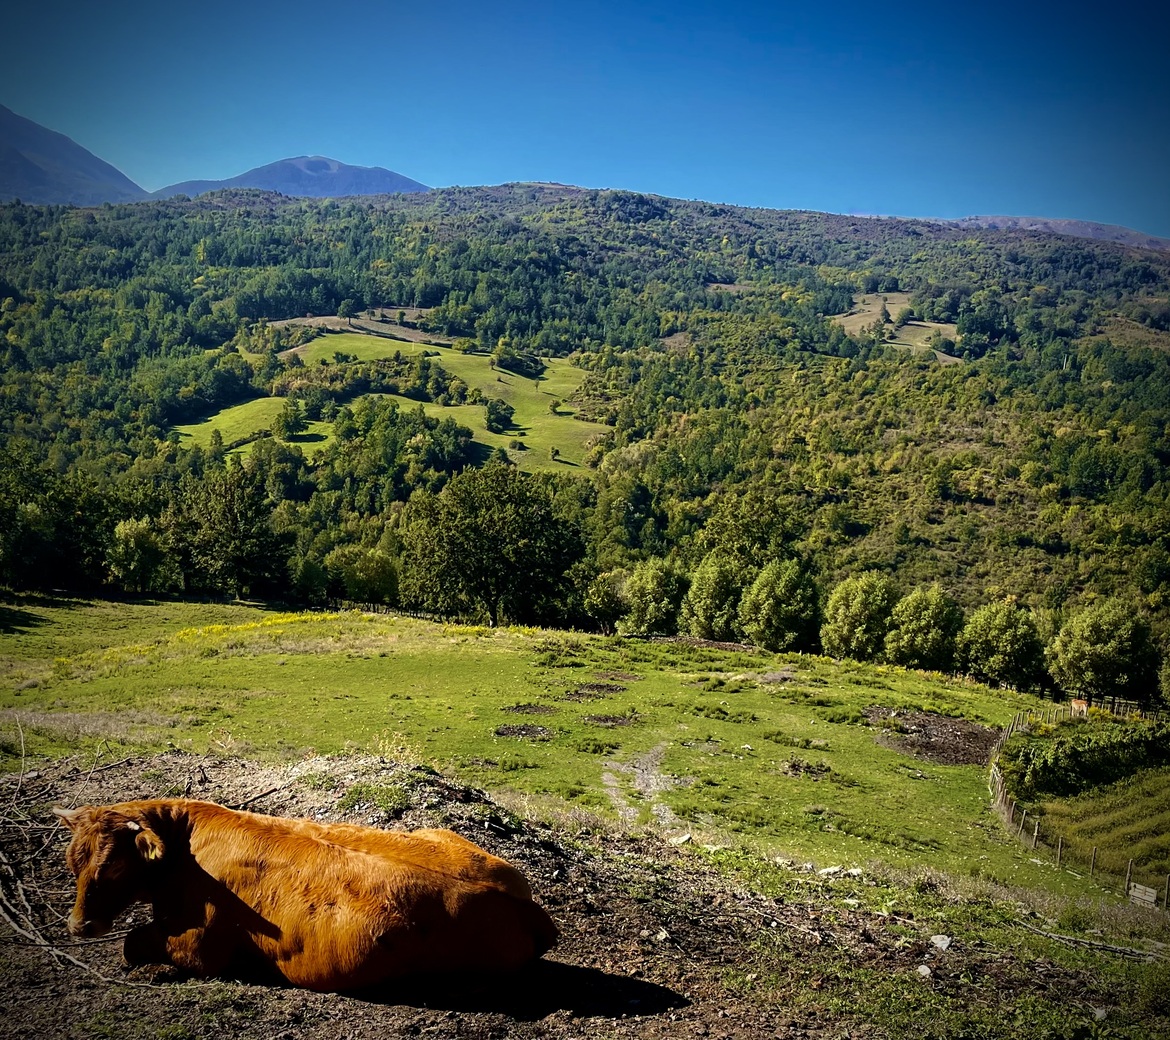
[
  {"x": 924, "y": 971},
  {"x": 943, "y": 942}
]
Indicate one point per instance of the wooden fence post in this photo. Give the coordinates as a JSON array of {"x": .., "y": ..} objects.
[
  {"x": 1166, "y": 896},
  {"x": 1059, "y": 848},
  {"x": 1128, "y": 877},
  {"x": 1093, "y": 862},
  {"x": 1023, "y": 820},
  {"x": 1035, "y": 834}
]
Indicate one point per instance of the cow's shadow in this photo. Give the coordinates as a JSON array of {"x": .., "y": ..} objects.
[{"x": 532, "y": 993}]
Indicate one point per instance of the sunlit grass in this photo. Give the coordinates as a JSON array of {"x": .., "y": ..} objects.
[
  {"x": 536, "y": 428},
  {"x": 691, "y": 737}
]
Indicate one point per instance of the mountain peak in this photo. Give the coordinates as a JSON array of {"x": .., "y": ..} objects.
[
  {"x": 316, "y": 176},
  {"x": 40, "y": 165}
]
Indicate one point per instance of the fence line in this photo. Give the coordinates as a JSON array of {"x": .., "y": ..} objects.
[{"x": 1028, "y": 828}]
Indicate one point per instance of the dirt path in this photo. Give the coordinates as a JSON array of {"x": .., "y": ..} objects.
[{"x": 648, "y": 781}]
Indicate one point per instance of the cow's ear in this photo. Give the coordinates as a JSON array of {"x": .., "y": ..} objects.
[
  {"x": 70, "y": 817},
  {"x": 149, "y": 844}
]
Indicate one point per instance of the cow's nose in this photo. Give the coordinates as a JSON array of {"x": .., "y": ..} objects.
[{"x": 86, "y": 929}]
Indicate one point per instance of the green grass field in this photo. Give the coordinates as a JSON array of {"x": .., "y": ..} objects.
[
  {"x": 1127, "y": 820},
  {"x": 534, "y": 424},
  {"x": 730, "y": 746}
]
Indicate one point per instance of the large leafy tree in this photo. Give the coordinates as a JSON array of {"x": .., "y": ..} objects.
[
  {"x": 858, "y": 616},
  {"x": 491, "y": 543},
  {"x": 924, "y": 629},
  {"x": 653, "y": 592},
  {"x": 1106, "y": 650},
  {"x": 709, "y": 609},
  {"x": 220, "y": 528},
  {"x": 782, "y": 608},
  {"x": 139, "y": 559},
  {"x": 1001, "y": 646}
]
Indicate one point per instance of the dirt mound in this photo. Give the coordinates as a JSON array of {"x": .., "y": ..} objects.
[
  {"x": 530, "y": 709},
  {"x": 936, "y": 738},
  {"x": 527, "y": 731}
]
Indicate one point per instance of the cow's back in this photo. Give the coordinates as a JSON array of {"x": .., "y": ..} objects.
[{"x": 345, "y": 906}]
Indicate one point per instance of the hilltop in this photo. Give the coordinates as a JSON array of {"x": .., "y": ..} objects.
[
  {"x": 38, "y": 165},
  {"x": 312, "y": 176}
]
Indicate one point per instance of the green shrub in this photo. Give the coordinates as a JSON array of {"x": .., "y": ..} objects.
[{"x": 1082, "y": 753}]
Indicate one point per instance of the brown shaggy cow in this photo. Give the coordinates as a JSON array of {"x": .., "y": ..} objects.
[{"x": 329, "y": 906}]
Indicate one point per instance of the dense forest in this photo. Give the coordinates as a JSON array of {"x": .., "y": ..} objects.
[{"x": 765, "y": 475}]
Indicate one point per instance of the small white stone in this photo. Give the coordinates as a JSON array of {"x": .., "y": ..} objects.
[
  {"x": 924, "y": 971},
  {"x": 941, "y": 941}
]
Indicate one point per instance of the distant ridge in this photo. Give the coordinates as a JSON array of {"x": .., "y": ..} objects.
[
  {"x": 1078, "y": 228},
  {"x": 308, "y": 175},
  {"x": 38, "y": 165}
]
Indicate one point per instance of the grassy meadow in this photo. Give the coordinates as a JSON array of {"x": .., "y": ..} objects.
[
  {"x": 732, "y": 746},
  {"x": 535, "y": 425},
  {"x": 913, "y": 336},
  {"x": 1126, "y": 820}
]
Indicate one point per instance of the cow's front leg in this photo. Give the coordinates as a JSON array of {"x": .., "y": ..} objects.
[{"x": 146, "y": 944}]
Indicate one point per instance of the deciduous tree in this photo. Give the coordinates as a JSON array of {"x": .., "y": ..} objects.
[
  {"x": 1106, "y": 650},
  {"x": 782, "y": 608},
  {"x": 709, "y": 610},
  {"x": 924, "y": 629},
  {"x": 858, "y": 616},
  {"x": 1000, "y": 646},
  {"x": 490, "y": 543}
]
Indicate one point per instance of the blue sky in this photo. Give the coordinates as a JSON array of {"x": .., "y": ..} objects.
[{"x": 924, "y": 109}]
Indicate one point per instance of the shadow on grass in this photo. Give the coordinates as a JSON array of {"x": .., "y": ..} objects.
[
  {"x": 533, "y": 993},
  {"x": 14, "y": 620}
]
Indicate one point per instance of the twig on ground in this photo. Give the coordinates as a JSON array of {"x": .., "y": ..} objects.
[
  {"x": 262, "y": 794},
  {"x": 1076, "y": 940}
]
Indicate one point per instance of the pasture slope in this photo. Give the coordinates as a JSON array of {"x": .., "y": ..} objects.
[
  {"x": 734, "y": 844},
  {"x": 535, "y": 425}
]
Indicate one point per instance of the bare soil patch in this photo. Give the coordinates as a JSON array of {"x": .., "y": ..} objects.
[
  {"x": 527, "y": 731},
  {"x": 936, "y": 738},
  {"x": 530, "y": 709},
  {"x": 611, "y": 720},
  {"x": 593, "y": 691}
]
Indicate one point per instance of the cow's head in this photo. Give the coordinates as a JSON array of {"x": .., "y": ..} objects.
[{"x": 110, "y": 855}]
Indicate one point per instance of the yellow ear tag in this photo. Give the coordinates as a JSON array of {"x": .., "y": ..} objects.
[{"x": 149, "y": 847}]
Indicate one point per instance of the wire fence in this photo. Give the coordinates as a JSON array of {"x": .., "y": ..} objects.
[{"x": 1140, "y": 886}]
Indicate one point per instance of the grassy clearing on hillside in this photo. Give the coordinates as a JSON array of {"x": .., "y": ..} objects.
[
  {"x": 535, "y": 425},
  {"x": 914, "y": 335},
  {"x": 727, "y": 744},
  {"x": 237, "y": 423}
]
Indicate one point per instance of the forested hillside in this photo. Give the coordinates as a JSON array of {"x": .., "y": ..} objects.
[{"x": 764, "y": 474}]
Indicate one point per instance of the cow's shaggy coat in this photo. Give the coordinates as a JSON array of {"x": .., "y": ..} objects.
[{"x": 329, "y": 906}]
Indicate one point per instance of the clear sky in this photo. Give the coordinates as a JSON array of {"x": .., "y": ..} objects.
[{"x": 925, "y": 109}]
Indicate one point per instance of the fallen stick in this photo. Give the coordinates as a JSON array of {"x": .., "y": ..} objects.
[{"x": 1123, "y": 951}]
